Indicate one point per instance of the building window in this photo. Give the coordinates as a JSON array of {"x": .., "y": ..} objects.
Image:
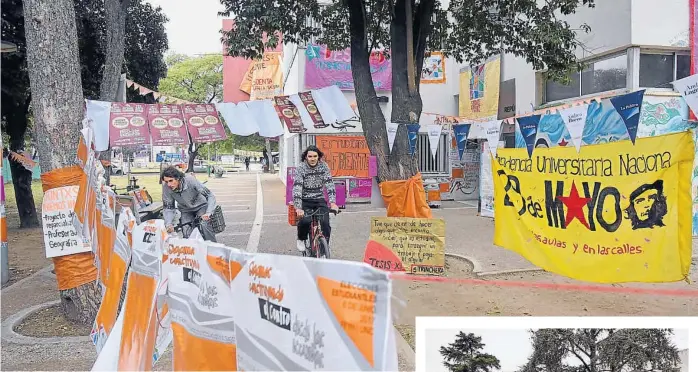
[
  {"x": 658, "y": 70},
  {"x": 602, "y": 75},
  {"x": 428, "y": 164}
]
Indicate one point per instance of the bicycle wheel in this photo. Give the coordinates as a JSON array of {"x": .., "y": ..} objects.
[{"x": 323, "y": 248}]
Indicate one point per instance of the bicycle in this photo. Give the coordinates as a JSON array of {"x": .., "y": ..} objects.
[
  {"x": 317, "y": 245},
  {"x": 145, "y": 207},
  {"x": 215, "y": 222},
  {"x": 462, "y": 187}
]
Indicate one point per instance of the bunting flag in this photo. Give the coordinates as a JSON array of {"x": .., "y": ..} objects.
[
  {"x": 412, "y": 133},
  {"x": 461, "y": 132},
  {"x": 392, "y": 132},
  {"x": 628, "y": 107},
  {"x": 529, "y": 129},
  {"x": 575, "y": 118},
  {"x": 493, "y": 130},
  {"x": 688, "y": 87},
  {"x": 434, "y": 133}
]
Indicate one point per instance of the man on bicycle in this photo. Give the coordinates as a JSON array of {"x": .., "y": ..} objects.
[
  {"x": 311, "y": 176},
  {"x": 193, "y": 200}
]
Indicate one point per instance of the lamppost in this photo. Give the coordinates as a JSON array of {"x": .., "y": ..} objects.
[{"x": 5, "y": 267}]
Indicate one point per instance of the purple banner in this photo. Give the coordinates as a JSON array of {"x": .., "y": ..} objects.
[
  {"x": 324, "y": 67},
  {"x": 372, "y": 166},
  {"x": 340, "y": 187},
  {"x": 360, "y": 187},
  {"x": 290, "y": 172}
]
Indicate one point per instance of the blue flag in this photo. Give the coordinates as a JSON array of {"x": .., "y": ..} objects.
[
  {"x": 628, "y": 107},
  {"x": 529, "y": 129},
  {"x": 412, "y": 133},
  {"x": 461, "y": 132}
]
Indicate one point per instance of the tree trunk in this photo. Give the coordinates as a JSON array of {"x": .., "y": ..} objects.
[
  {"x": 21, "y": 177},
  {"x": 56, "y": 87}
]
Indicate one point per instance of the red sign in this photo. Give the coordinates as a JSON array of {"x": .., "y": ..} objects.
[
  {"x": 289, "y": 115},
  {"x": 309, "y": 103},
  {"x": 167, "y": 126},
  {"x": 127, "y": 125},
  {"x": 203, "y": 123}
]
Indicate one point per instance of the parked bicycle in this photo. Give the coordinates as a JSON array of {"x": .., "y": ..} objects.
[
  {"x": 147, "y": 208},
  {"x": 316, "y": 245},
  {"x": 461, "y": 186}
]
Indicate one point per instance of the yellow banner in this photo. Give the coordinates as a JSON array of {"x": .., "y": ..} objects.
[
  {"x": 479, "y": 91},
  {"x": 613, "y": 213},
  {"x": 264, "y": 77}
]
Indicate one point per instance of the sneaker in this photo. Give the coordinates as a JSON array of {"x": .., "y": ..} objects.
[{"x": 300, "y": 245}]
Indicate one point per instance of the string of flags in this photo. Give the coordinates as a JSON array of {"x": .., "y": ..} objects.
[{"x": 118, "y": 124}]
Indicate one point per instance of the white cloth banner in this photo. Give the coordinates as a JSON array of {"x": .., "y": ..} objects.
[
  {"x": 238, "y": 118},
  {"x": 434, "y": 133},
  {"x": 392, "y": 132},
  {"x": 688, "y": 87},
  {"x": 493, "y": 130},
  {"x": 332, "y": 104},
  {"x": 296, "y": 314},
  {"x": 575, "y": 118},
  {"x": 98, "y": 113},
  {"x": 267, "y": 119}
]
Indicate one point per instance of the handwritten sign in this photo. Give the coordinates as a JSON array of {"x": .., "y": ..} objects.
[
  {"x": 60, "y": 236},
  {"x": 414, "y": 245},
  {"x": 345, "y": 155}
]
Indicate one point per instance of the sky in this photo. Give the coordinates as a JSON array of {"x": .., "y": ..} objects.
[
  {"x": 511, "y": 346},
  {"x": 194, "y": 25}
]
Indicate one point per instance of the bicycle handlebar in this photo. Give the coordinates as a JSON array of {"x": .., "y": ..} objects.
[{"x": 317, "y": 212}]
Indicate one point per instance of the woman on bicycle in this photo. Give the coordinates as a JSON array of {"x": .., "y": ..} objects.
[
  {"x": 193, "y": 200},
  {"x": 312, "y": 175}
]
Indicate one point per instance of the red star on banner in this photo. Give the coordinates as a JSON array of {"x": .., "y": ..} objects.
[
  {"x": 563, "y": 143},
  {"x": 574, "y": 205}
]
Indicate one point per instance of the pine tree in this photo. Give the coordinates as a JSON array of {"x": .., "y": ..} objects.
[{"x": 464, "y": 355}]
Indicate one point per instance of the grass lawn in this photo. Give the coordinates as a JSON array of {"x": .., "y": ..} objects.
[{"x": 11, "y": 202}]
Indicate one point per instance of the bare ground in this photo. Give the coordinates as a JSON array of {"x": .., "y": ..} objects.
[
  {"x": 50, "y": 322},
  {"x": 26, "y": 254}
]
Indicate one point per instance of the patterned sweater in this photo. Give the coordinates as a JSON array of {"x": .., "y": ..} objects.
[{"x": 309, "y": 181}]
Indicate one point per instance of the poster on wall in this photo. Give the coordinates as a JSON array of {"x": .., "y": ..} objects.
[
  {"x": 360, "y": 188},
  {"x": 264, "y": 77},
  {"x": 479, "y": 90},
  {"x": 60, "y": 236},
  {"x": 128, "y": 125},
  {"x": 203, "y": 123},
  {"x": 434, "y": 69},
  {"x": 345, "y": 155},
  {"x": 324, "y": 67},
  {"x": 167, "y": 125}
]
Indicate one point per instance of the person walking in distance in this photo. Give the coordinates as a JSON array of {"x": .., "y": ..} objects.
[
  {"x": 193, "y": 200},
  {"x": 312, "y": 175},
  {"x": 247, "y": 163}
]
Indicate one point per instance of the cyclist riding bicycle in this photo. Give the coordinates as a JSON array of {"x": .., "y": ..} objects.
[
  {"x": 311, "y": 176},
  {"x": 193, "y": 200}
]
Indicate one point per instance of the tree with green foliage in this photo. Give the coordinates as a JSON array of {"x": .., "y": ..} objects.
[
  {"x": 602, "y": 350},
  {"x": 465, "y": 355},
  {"x": 200, "y": 80},
  {"x": 408, "y": 29},
  {"x": 145, "y": 45}
]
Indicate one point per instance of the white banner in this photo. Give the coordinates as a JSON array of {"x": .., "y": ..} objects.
[
  {"x": 688, "y": 87},
  {"x": 296, "y": 314},
  {"x": 493, "y": 130},
  {"x": 575, "y": 118},
  {"x": 434, "y": 133},
  {"x": 392, "y": 132},
  {"x": 60, "y": 236}
]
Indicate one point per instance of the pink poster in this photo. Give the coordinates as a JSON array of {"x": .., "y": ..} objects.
[
  {"x": 127, "y": 125},
  {"x": 324, "y": 67},
  {"x": 360, "y": 187},
  {"x": 167, "y": 125},
  {"x": 290, "y": 173},
  {"x": 203, "y": 123},
  {"x": 372, "y": 166}
]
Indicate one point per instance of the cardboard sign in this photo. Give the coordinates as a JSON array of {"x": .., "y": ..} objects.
[
  {"x": 345, "y": 155},
  {"x": 127, "y": 125},
  {"x": 60, "y": 236},
  {"x": 309, "y": 103},
  {"x": 167, "y": 125},
  {"x": 203, "y": 123},
  {"x": 289, "y": 115},
  {"x": 414, "y": 245}
]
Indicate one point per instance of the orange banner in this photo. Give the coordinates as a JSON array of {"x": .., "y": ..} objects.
[{"x": 345, "y": 155}]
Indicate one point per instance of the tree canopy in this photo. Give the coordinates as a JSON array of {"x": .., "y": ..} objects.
[
  {"x": 596, "y": 350},
  {"x": 465, "y": 355}
]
